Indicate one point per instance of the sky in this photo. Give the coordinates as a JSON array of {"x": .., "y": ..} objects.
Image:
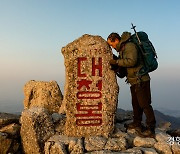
[{"x": 33, "y": 32}]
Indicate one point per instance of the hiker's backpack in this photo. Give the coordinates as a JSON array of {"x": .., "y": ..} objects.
[{"x": 148, "y": 52}]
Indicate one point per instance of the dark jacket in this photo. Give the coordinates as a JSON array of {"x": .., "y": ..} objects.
[{"x": 132, "y": 60}]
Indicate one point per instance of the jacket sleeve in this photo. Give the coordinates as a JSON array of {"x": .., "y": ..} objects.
[{"x": 130, "y": 56}]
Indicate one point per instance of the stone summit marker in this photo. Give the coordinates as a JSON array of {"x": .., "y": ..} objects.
[{"x": 91, "y": 89}]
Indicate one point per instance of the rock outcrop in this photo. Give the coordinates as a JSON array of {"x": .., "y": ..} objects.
[
  {"x": 42, "y": 94},
  {"x": 36, "y": 128},
  {"x": 6, "y": 119},
  {"x": 10, "y": 140},
  {"x": 43, "y": 132}
]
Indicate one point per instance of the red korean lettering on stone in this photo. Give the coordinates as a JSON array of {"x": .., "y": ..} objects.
[
  {"x": 89, "y": 109},
  {"x": 99, "y": 85},
  {"x": 93, "y": 119},
  {"x": 97, "y": 66},
  {"x": 89, "y": 95},
  {"x": 89, "y": 122},
  {"x": 80, "y": 59},
  {"x": 88, "y": 115},
  {"x": 85, "y": 83}
]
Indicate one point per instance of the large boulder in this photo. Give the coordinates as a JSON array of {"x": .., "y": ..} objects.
[
  {"x": 91, "y": 89},
  {"x": 37, "y": 127},
  {"x": 10, "y": 141},
  {"x": 42, "y": 94}
]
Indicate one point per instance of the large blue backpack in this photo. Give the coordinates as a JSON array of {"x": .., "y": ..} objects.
[{"x": 147, "y": 51}]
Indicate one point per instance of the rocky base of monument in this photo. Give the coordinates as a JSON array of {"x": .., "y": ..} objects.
[{"x": 42, "y": 132}]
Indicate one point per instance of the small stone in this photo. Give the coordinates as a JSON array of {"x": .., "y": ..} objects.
[
  {"x": 120, "y": 127},
  {"x": 163, "y": 147},
  {"x": 95, "y": 143},
  {"x": 57, "y": 117},
  {"x": 176, "y": 148},
  {"x": 75, "y": 145},
  {"x": 77, "y": 148},
  {"x": 130, "y": 140},
  {"x": 162, "y": 137},
  {"x": 149, "y": 151},
  {"x": 134, "y": 150},
  {"x": 52, "y": 147},
  {"x": 144, "y": 142},
  {"x": 132, "y": 132},
  {"x": 116, "y": 144},
  {"x": 102, "y": 152},
  {"x": 118, "y": 133},
  {"x": 63, "y": 138},
  {"x": 164, "y": 126}
]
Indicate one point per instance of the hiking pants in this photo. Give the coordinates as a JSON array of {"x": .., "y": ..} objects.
[{"x": 141, "y": 102}]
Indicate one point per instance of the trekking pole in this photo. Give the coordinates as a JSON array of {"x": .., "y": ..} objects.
[
  {"x": 133, "y": 27},
  {"x": 139, "y": 41}
]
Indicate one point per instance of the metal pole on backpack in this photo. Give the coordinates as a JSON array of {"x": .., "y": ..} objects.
[
  {"x": 139, "y": 41},
  {"x": 140, "y": 44},
  {"x": 133, "y": 27}
]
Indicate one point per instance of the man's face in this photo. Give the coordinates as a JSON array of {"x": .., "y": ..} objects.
[{"x": 113, "y": 44}]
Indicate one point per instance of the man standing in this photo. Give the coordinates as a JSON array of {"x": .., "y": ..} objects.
[{"x": 131, "y": 59}]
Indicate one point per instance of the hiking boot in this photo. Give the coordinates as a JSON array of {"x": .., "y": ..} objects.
[
  {"x": 132, "y": 125},
  {"x": 139, "y": 128},
  {"x": 147, "y": 133}
]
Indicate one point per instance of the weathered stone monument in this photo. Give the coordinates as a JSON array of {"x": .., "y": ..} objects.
[{"x": 91, "y": 89}]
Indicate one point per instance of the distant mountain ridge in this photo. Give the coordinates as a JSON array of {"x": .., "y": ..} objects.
[
  {"x": 170, "y": 112},
  {"x": 161, "y": 117}
]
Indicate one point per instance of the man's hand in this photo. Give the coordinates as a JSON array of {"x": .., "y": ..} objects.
[
  {"x": 114, "y": 65},
  {"x": 113, "y": 62},
  {"x": 115, "y": 57}
]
